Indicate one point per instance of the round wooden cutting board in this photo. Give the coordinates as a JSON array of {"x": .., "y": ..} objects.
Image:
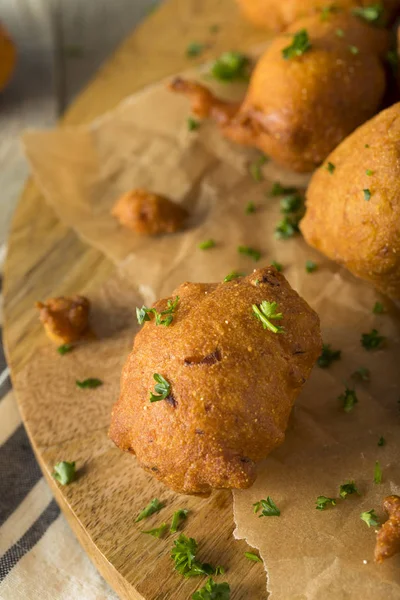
[{"x": 45, "y": 258}]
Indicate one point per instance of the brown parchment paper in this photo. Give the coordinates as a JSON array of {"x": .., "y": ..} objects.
[{"x": 307, "y": 554}]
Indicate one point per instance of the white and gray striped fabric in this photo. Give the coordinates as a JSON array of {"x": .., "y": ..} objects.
[{"x": 39, "y": 555}]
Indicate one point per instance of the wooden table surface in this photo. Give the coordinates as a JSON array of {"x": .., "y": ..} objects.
[{"x": 45, "y": 257}]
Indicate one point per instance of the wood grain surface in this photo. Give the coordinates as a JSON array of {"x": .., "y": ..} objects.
[{"x": 45, "y": 258}]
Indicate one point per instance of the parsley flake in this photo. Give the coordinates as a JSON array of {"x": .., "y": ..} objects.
[
  {"x": 362, "y": 373},
  {"x": 349, "y": 399},
  {"x": 179, "y": 516},
  {"x": 207, "y": 244},
  {"x": 372, "y": 341},
  {"x": 184, "y": 556},
  {"x": 367, "y": 194},
  {"x": 381, "y": 441},
  {"x": 250, "y": 208},
  {"x": 231, "y": 66},
  {"x": 153, "y": 506},
  {"x": 287, "y": 227},
  {"x": 278, "y": 266},
  {"x": 348, "y": 488},
  {"x": 371, "y": 14},
  {"x": 339, "y": 33},
  {"x": 370, "y": 518},
  {"x": 291, "y": 203},
  {"x": 64, "y": 472},
  {"x": 366, "y": 146},
  {"x": 64, "y": 349},
  {"x": 143, "y": 314},
  {"x": 300, "y": 44},
  {"x": 157, "y": 532},
  {"x": 248, "y": 251},
  {"x": 232, "y": 275},
  {"x": 268, "y": 506},
  {"x": 378, "y": 309},
  {"x": 328, "y": 356},
  {"x": 162, "y": 387},
  {"x": 193, "y": 124},
  {"x": 213, "y": 591},
  {"x": 311, "y": 266},
  {"x": 252, "y": 557},
  {"x": 255, "y": 168},
  {"x": 330, "y": 167},
  {"x": 324, "y": 501},
  {"x": 267, "y": 311},
  {"x": 354, "y": 50},
  {"x": 90, "y": 383},
  {"x": 377, "y": 473},
  {"x": 326, "y": 11},
  {"x": 278, "y": 189},
  {"x": 369, "y": 172},
  {"x": 194, "y": 49}
]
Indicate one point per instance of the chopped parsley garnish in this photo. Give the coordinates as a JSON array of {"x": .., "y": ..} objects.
[
  {"x": 328, "y": 356},
  {"x": 367, "y": 194},
  {"x": 354, "y": 50},
  {"x": 64, "y": 349},
  {"x": 371, "y": 14},
  {"x": 207, "y": 244},
  {"x": 366, "y": 145},
  {"x": 233, "y": 275},
  {"x": 377, "y": 473},
  {"x": 231, "y": 66},
  {"x": 255, "y": 168},
  {"x": 311, "y": 266},
  {"x": 179, "y": 516},
  {"x": 64, "y": 472},
  {"x": 348, "y": 488},
  {"x": 349, "y": 399},
  {"x": 278, "y": 189},
  {"x": 378, "y": 309},
  {"x": 248, "y": 251},
  {"x": 339, "y": 33},
  {"x": 143, "y": 314},
  {"x": 157, "y": 532},
  {"x": 153, "y": 506},
  {"x": 324, "y": 501},
  {"x": 330, "y": 167},
  {"x": 184, "y": 556},
  {"x": 278, "y": 266},
  {"x": 381, "y": 441},
  {"x": 268, "y": 506},
  {"x": 162, "y": 387},
  {"x": 291, "y": 203},
  {"x": 362, "y": 373},
  {"x": 300, "y": 44},
  {"x": 90, "y": 383},
  {"x": 213, "y": 591},
  {"x": 193, "y": 124},
  {"x": 369, "y": 172},
  {"x": 326, "y": 11},
  {"x": 194, "y": 49},
  {"x": 370, "y": 518},
  {"x": 267, "y": 311},
  {"x": 252, "y": 557},
  {"x": 372, "y": 340},
  {"x": 250, "y": 208},
  {"x": 287, "y": 227}
]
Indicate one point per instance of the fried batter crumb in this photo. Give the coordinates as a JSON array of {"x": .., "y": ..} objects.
[
  {"x": 388, "y": 536},
  {"x": 65, "y": 320},
  {"x": 149, "y": 214}
]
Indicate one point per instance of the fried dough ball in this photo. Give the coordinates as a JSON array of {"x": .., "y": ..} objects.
[
  {"x": 353, "y": 206},
  {"x": 388, "y": 536},
  {"x": 65, "y": 320},
  {"x": 232, "y": 383},
  {"x": 277, "y": 15},
  {"x": 149, "y": 214},
  {"x": 297, "y": 110}
]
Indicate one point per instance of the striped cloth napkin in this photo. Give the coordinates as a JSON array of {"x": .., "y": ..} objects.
[{"x": 39, "y": 555}]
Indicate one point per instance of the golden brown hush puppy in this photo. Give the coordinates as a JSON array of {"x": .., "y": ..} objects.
[
  {"x": 65, "y": 320},
  {"x": 388, "y": 536},
  {"x": 353, "y": 203},
  {"x": 208, "y": 395},
  {"x": 311, "y": 88}
]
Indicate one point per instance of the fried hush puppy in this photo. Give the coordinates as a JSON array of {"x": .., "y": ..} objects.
[
  {"x": 388, "y": 536},
  {"x": 353, "y": 203},
  {"x": 277, "y": 15},
  {"x": 309, "y": 90},
  {"x": 227, "y": 381},
  {"x": 65, "y": 320},
  {"x": 149, "y": 214}
]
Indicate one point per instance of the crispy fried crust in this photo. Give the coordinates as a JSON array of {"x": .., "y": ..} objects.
[
  {"x": 361, "y": 234},
  {"x": 388, "y": 536},
  {"x": 233, "y": 383},
  {"x": 149, "y": 214},
  {"x": 296, "y": 111},
  {"x": 65, "y": 320}
]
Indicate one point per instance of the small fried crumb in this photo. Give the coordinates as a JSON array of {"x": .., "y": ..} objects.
[
  {"x": 65, "y": 320},
  {"x": 388, "y": 536}
]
